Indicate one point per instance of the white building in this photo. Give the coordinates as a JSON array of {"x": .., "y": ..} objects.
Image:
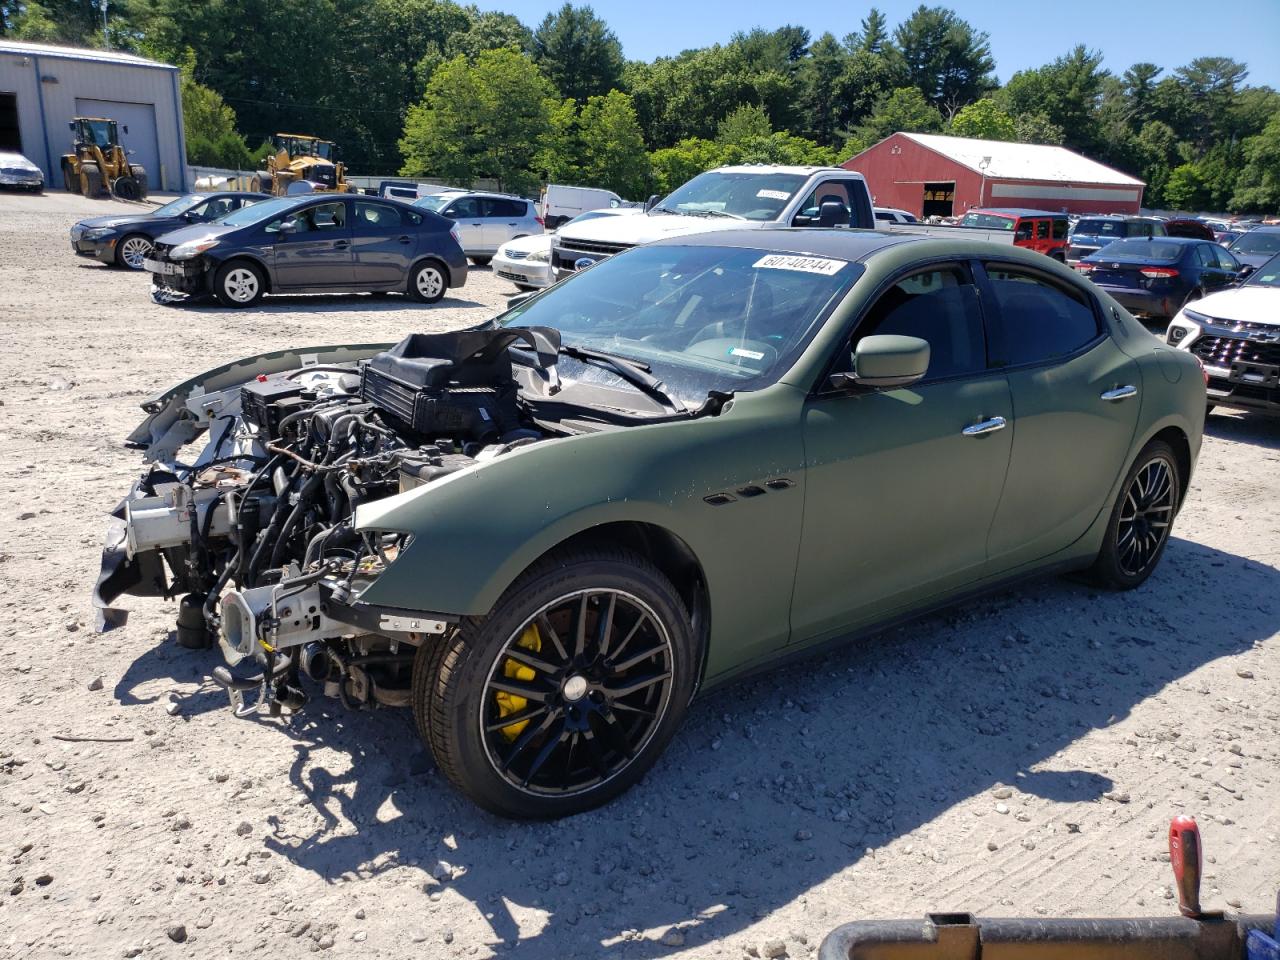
[{"x": 43, "y": 87}]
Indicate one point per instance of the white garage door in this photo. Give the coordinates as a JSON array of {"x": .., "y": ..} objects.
[{"x": 140, "y": 118}]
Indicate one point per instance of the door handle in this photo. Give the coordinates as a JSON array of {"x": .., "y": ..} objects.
[
  {"x": 985, "y": 426},
  {"x": 477, "y": 224},
  {"x": 510, "y": 224},
  {"x": 341, "y": 244},
  {"x": 1120, "y": 393},
  {"x": 406, "y": 240}
]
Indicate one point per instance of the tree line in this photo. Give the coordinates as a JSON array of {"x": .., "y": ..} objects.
[{"x": 433, "y": 88}]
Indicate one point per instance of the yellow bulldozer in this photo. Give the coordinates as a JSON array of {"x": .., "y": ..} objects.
[
  {"x": 99, "y": 164},
  {"x": 301, "y": 164}
]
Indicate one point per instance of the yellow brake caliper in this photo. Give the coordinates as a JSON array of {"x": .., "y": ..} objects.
[{"x": 510, "y": 703}]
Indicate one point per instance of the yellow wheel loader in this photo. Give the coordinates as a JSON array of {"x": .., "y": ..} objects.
[
  {"x": 99, "y": 164},
  {"x": 301, "y": 164}
]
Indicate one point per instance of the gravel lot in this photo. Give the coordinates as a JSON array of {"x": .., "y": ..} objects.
[{"x": 1019, "y": 755}]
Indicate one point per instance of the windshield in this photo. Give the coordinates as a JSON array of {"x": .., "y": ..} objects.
[
  {"x": 434, "y": 202},
  {"x": 1140, "y": 250},
  {"x": 746, "y": 196},
  {"x": 701, "y": 317},
  {"x": 1103, "y": 228},
  {"x": 989, "y": 221},
  {"x": 305, "y": 147},
  {"x": 590, "y": 215},
  {"x": 176, "y": 207},
  {"x": 1256, "y": 241},
  {"x": 1267, "y": 275},
  {"x": 258, "y": 212}
]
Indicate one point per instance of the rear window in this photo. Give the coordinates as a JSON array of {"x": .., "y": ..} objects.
[
  {"x": 1102, "y": 228},
  {"x": 1143, "y": 250},
  {"x": 987, "y": 221},
  {"x": 1060, "y": 229}
]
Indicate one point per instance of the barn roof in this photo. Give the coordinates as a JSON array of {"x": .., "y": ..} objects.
[
  {"x": 23, "y": 49},
  {"x": 1022, "y": 161}
]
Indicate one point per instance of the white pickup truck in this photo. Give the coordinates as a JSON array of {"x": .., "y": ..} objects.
[{"x": 727, "y": 198}]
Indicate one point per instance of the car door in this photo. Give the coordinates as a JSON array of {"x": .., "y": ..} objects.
[
  {"x": 382, "y": 244},
  {"x": 1076, "y": 397},
  {"x": 501, "y": 220},
  {"x": 902, "y": 485},
  {"x": 317, "y": 251},
  {"x": 1213, "y": 276},
  {"x": 467, "y": 212}
]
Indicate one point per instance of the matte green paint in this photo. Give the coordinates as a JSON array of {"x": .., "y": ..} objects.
[{"x": 892, "y": 509}]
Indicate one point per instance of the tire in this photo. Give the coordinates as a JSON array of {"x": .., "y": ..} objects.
[
  {"x": 481, "y": 261},
  {"x": 132, "y": 249},
  {"x": 140, "y": 177},
  {"x": 428, "y": 281},
  {"x": 613, "y": 736},
  {"x": 126, "y": 188},
  {"x": 1151, "y": 494},
  {"x": 69, "y": 184},
  {"x": 239, "y": 283},
  {"x": 90, "y": 182},
  {"x": 260, "y": 183}
]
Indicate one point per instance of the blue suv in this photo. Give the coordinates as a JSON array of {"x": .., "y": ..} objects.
[{"x": 1091, "y": 234}]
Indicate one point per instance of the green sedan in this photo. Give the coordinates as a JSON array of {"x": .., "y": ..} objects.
[{"x": 547, "y": 534}]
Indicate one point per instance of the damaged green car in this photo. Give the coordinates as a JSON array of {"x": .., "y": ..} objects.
[{"x": 546, "y": 534}]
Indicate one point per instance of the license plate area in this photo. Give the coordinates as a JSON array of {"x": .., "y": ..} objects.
[
  {"x": 158, "y": 266},
  {"x": 1255, "y": 374}
]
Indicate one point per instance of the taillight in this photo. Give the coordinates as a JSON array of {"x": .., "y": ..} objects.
[
  {"x": 1085, "y": 267},
  {"x": 542, "y": 223},
  {"x": 1159, "y": 273}
]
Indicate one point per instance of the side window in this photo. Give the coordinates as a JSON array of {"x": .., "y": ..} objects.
[
  {"x": 1225, "y": 260},
  {"x": 411, "y": 217},
  {"x": 326, "y": 216},
  {"x": 939, "y": 305},
  {"x": 464, "y": 209},
  {"x": 216, "y": 208},
  {"x": 375, "y": 217},
  {"x": 1037, "y": 320},
  {"x": 1060, "y": 229},
  {"x": 1042, "y": 229},
  {"x": 1206, "y": 256},
  {"x": 1023, "y": 231},
  {"x": 825, "y": 192}
]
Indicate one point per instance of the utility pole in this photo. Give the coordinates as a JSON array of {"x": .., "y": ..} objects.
[{"x": 106, "y": 41}]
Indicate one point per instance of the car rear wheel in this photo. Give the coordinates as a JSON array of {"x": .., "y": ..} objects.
[
  {"x": 239, "y": 284},
  {"x": 566, "y": 693},
  {"x": 427, "y": 282},
  {"x": 481, "y": 261},
  {"x": 1141, "y": 520},
  {"x": 132, "y": 250}
]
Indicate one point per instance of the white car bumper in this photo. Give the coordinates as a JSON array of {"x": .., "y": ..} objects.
[{"x": 522, "y": 272}]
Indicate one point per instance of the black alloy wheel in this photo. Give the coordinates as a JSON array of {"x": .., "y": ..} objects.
[
  {"x": 577, "y": 692},
  {"x": 565, "y": 694},
  {"x": 1141, "y": 520}
]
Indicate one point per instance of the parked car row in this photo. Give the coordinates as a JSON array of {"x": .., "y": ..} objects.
[{"x": 238, "y": 247}]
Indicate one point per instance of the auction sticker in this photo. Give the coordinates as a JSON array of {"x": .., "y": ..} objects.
[
  {"x": 773, "y": 195},
  {"x": 779, "y": 261}
]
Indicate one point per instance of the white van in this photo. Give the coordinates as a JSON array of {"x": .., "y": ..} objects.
[{"x": 560, "y": 204}]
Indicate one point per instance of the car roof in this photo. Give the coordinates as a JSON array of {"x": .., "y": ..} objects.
[
  {"x": 1017, "y": 211},
  {"x": 800, "y": 241},
  {"x": 770, "y": 168},
  {"x": 1119, "y": 217}
]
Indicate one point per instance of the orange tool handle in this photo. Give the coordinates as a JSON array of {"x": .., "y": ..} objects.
[{"x": 1187, "y": 857}]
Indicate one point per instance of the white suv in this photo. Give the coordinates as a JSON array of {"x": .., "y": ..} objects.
[
  {"x": 728, "y": 198},
  {"x": 485, "y": 220}
]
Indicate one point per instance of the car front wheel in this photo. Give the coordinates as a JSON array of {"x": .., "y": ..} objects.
[
  {"x": 566, "y": 693},
  {"x": 132, "y": 251},
  {"x": 239, "y": 284},
  {"x": 1141, "y": 520}
]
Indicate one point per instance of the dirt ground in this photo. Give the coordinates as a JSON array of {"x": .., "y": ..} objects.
[{"x": 1019, "y": 755}]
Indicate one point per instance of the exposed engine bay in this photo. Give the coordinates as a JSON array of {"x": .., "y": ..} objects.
[{"x": 259, "y": 535}]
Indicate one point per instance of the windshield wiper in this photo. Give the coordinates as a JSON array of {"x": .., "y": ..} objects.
[
  {"x": 716, "y": 213},
  {"x": 633, "y": 371}
]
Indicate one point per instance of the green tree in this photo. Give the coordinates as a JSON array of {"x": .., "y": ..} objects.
[
  {"x": 209, "y": 124},
  {"x": 578, "y": 51},
  {"x": 559, "y": 150},
  {"x": 905, "y": 109},
  {"x": 873, "y": 36},
  {"x": 30, "y": 21},
  {"x": 1186, "y": 188},
  {"x": 1211, "y": 84},
  {"x": 942, "y": 56},
  {"x": 1139, "y": 90},
  {"x": 613, "y": 153},
  {"x": 672, "y": 166},
  {"x": 749, "y": 120},
  {"x": 1067, "y": 92},
  {"x": 1037, "y": 128},
  {"x": 1258, "y": 187},
  {"x": 481, "y": 119},
  {"x": 984, "y": 120}
]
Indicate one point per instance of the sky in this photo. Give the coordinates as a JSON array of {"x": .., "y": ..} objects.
[{"x": 1024, "y": 33}]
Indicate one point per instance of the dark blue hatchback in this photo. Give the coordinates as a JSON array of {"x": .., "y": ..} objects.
[{"x": 1157, "y": 275}]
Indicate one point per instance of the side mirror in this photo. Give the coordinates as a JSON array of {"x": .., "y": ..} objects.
[
  {"x": 289, "y": 226},
  {"x": 1246, "y": 270},
  {"x": 651, "y": 202},
  {"x": 885, "y": 361},
  {"x": 518, "y": 299},
  {"x": 125, "y": 128},
  {"x": 71, "y": 124},
  {"x": 832, "y": 213}
]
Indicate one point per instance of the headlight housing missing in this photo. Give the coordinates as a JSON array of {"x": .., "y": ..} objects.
[
  {"x": 192, "y": 248},
  {"x": 539, "y": 256}
]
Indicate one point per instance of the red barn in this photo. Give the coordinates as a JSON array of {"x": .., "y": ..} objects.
[{"x": 931, "y": 175}]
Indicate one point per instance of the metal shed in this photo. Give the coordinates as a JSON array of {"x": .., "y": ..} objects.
[
  {"x": 929, "y": 175},
  {"x": 42, "y": 87}
]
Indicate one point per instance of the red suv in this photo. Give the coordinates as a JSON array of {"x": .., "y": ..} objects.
[{"x": 1036, "y": 230}]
